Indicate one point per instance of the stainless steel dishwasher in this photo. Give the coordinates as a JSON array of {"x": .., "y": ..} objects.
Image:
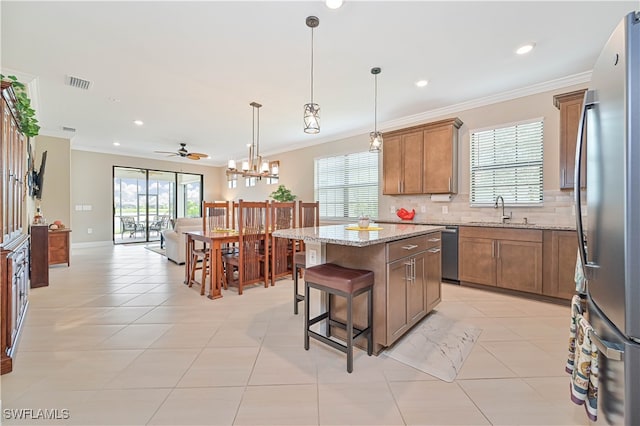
[{"x": 450, "y": 254}]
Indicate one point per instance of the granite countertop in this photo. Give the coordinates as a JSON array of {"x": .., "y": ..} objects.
[
  {"x": 520, "y": 225},
  {"x": 339, "y": 234}
]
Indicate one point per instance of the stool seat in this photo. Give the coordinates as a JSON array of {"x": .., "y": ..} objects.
[
  {"x": 300, "y": 258},
  {"x": 346, "y": 280}
]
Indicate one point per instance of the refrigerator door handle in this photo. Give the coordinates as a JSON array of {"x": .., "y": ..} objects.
[
  {"x": 587, "y": 104},
  {"x": 608, "y": 349}
]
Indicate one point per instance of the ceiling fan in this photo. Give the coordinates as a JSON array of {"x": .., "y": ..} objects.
[{"x": 182, "y": 152}]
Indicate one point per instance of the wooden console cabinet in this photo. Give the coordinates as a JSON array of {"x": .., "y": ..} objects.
[
  {"x": 59, "y": 246},
  {"x": 39, "y": 256}
]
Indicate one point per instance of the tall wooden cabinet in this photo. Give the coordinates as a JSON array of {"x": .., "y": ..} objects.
[
  {"x": 560, "y": 253},
  {"x": 422, "y": 159},
  {"x": 14, "y": 243},
  {"x": 570, "y": 106}
]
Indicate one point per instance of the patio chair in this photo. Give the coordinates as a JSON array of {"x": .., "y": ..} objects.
[{"x": 128, "y": 224}]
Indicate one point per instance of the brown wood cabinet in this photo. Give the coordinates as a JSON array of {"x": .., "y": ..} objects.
[
  {"x": 441, "y": 157},
  {"x": 14, "y": 243},
  {"x": 59, "y": 246},
  {"x": 570, "y": 106},
  {"x": 560, "y": 252},
  {"x": 39, "y": 256},
  {"x": 434, "y": 271},
  {"x": 421, "y": 159},
  {"x": 402, "y": 163},
  {"x": 501, "y": 257}
]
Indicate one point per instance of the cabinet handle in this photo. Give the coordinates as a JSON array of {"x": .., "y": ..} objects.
[
  {"x": 434, "y": 250},
  {"x": 433, "y": 240},
  {"x": 410, "y": 247},
  {"x": 413, "y": 266},
  {"x": 493, "y": 249},
  {"x": 407, "y": 270},
  {"x": 399, "y": 187},
  {"x": 498, "y": 244},
  {"x": 449, "y": 183}
]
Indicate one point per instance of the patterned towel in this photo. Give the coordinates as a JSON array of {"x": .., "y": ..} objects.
[
  {"x": 576, "y": 311},
  {"x": 583, "y": 364}
]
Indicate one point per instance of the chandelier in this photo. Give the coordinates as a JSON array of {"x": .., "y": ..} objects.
[{"x": 255, "y": 166}]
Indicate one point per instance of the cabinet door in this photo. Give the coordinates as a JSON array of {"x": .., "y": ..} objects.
[
  {"x": 570, "y": 105},
  {"x": 519, "y": 265},
  {"x": 413, "y": 148},
  {"x": 416, "y": 289},
  {"x": 477, "y": 262},
  {"x": 434, "y": 277},
  {"x": 560, "y": 257},
  {"x": 392, "y": 165},
  {"x": 438, "y": 160},
  {"x": 396, "y": 300}
]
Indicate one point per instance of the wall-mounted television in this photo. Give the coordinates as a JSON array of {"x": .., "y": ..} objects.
[{"x": 39, "y": 177}]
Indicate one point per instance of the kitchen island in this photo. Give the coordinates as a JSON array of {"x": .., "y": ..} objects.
[{"x": 405, "y": 260}]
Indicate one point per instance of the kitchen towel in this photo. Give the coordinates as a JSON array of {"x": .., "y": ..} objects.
[{"x": 584, "y": 365}]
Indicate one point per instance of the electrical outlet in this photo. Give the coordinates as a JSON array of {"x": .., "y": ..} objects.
[
  {"x": 392, "y": 209},
  {"x": 423, "y": 209},
  {"x": 89, "y": 230},
  {"x": 445, "y": 209},
  {"x": 312, "y": 257}
]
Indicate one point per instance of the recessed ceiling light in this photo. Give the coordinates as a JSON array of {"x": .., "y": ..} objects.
[
  {"x": 116, "y": 143},
  {"x": 422, "y": 83},
  {"x": 138, "y": 122},
  {"x": 112, "y": 99},
  {"x": 333, "y": 4},
  {"x": 526, "y": 48}
]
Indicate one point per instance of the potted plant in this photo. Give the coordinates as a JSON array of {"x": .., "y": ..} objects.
[
  {"x": 27, "y": 115},
  {"x": 282, "y": 194}
]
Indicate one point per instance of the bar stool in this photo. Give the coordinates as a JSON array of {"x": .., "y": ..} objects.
[
  {"x": 347, "y": 283},
  {"x": 299, "y": 262}
]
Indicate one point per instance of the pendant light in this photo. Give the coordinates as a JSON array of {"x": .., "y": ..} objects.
[
  {"x": 375, "y": 137},
  {"x": 312, "y": 110}
]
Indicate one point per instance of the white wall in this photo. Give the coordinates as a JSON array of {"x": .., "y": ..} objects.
[{"x": 55, "y": 202}]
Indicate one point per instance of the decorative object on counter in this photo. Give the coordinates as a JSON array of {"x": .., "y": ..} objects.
[
  {"x": 282, "y": 194},
  {"x": 312, "y": 110},
  {"x": 255, "y": 166},
  {"x": 57, "y": 225},
  {"x": 437, "y": 346},
  {"x": 38, "y": 219},
  {"x": 375, "y": 137},
  {"x": 404, "y": 214},
  {"x": 363, "y": 221}
]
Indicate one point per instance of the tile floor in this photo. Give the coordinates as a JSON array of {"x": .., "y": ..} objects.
[{"x": 118, "y": 339}]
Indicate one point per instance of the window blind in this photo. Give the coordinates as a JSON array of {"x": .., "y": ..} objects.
[
  {"x": 507, "y": 161},
  {"x": 347, "y": 186}
]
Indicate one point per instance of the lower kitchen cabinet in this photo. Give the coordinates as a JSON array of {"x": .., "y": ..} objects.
[
  {"x": 501, "y": 257},
  {"x": 434, "y": 272},
  {"x": 560, "y": 251}
]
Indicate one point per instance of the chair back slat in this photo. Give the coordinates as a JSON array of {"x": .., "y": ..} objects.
[{"x": 253, "y": 222}]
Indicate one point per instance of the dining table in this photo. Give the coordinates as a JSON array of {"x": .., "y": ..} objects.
[{"x": 213, "y": 241}]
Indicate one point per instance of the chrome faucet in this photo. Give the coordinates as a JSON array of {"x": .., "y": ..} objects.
[{"x": 504, "y": 217}]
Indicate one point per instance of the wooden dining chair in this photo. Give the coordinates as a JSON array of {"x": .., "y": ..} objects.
[
  {"x": 282, "y": 216},
  {"x": 309, "y": 215},
  {"x": 251, "y": 261},
  {"x": 215, "y": 215}
]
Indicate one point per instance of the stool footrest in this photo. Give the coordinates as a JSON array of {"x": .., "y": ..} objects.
[{"x": 318, "y": 318}]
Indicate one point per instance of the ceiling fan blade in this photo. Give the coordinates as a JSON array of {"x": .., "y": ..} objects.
[
  {"x": 165, "y": 152},
  {"x": 198, "y": 154},
  {"x": 193, "y": 156}
]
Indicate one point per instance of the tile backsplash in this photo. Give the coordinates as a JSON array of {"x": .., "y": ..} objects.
[{"x": 557, "y": 209}]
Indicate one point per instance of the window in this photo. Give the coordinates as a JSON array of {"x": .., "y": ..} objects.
[
  {"x": 232, "y": 181},
  {"x": 507, "y": 161},
  {"x": 347, "y": 185},
  {"x": 249, "y": 181}
]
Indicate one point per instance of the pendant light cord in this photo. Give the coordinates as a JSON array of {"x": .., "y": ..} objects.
[
  {"x": 375, "y": 105},
  {"x": 311, "y": 64}
]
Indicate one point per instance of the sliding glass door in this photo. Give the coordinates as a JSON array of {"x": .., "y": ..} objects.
[{"x": 145, "y": 202}]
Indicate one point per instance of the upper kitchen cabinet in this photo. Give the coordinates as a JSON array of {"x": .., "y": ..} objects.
[
  {"x": 422, "y": 159},
  {"x": 440, "y": 172},
  {"x": 402, "y": 163},
  {"x": 570, "y": 106}
]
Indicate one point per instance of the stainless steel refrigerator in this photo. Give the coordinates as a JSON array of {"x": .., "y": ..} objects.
[{"x": 610, "y": 244}]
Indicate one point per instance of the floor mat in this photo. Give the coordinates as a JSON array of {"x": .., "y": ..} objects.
[
  {"x": 438, "y": 346},
  {"x": 156, "y": 249}
]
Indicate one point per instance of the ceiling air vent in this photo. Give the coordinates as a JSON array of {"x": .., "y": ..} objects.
[
  {"x": 78, "y": 82},
  {"x": 68, "y": 129}
]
